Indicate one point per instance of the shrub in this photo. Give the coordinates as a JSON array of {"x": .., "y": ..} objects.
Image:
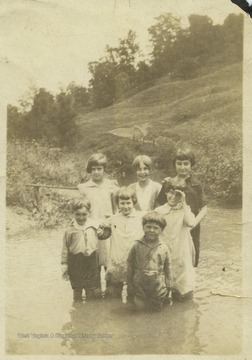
[{"x": 31, "y": 162}]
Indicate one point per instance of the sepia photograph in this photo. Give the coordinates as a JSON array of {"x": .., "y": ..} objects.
[{"x": 125, "y": 176}]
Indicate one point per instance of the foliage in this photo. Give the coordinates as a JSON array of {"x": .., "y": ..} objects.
[
  {"x": 102, "y": 83},
  {"x": 163, "y": 36},
  {"x": 41, "y": 130},
  {"x": 64, "y": 116},
  {"x": 32, "y": 162},
  {"x": 53, "y": 119},
  {"x": 114, "y": 74},
  {"x": 80, "y": 96}
]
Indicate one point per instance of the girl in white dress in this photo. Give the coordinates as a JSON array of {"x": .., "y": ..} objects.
[
  {"x": 146, "y": 190},
  {"x": 177, "y": 237},
  {"x": 100, "y": 192},
  {"x": 124, "y": 227}
]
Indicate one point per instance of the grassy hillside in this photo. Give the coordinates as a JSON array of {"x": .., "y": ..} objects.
[
  {"x": 215, "y": 97},
  {"x": 205, "y": 112}
]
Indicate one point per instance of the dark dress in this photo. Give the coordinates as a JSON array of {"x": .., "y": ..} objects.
[{"x": 196, "y": 199}]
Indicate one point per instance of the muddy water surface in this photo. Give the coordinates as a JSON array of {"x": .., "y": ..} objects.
[{"x": 40, "y": 318}]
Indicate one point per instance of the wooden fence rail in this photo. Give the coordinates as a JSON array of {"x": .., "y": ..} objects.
[
  {"x": 51, "y": 186},
  {"x": 39, "y": 200}
]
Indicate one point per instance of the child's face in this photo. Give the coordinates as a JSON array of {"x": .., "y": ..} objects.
[
  {"x": 143, "y": 172},
  {"x": 173, "y": 197},
  {"x": 81, "y": 215},
  {"x": 125, "y": 206},
  {"x": 97, "y": 173},
  {"x": 152, "y": 231},
  {"x": 183, "y": 167}
]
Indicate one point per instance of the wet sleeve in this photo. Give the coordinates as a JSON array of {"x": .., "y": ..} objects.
[{"x": 64, "y": 253}]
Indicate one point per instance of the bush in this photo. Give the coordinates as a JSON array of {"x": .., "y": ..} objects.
[{"x": 32, "y": 162}]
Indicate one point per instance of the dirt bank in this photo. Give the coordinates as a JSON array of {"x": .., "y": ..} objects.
[{"x": 18, "y": 220}]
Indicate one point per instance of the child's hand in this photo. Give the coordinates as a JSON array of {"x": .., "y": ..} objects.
[
  {"x": 182, "y": 196},
  {"x": 64, "y": 269},
  {"x": 167, "y": 179},
  {"x": 103, "y": 233},
  {"x": 87, "y": 252},
  {"x": 103, "y": 225}
]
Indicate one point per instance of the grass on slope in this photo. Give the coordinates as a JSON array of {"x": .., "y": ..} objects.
[{"x": 168, "y": 104}]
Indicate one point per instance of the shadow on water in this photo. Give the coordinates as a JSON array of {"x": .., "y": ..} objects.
[{"x": 40, "y": 318}]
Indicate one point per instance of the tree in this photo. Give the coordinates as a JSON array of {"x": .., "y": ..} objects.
[
  {"x": 114, "y": 74},
  {"x": 232, "y": 37},
  {"x": 49, "y": 118},
  {"x": 163, "y": 36},
  {"x": 80, "y": 96},
  {"x": 65, "y": 120},
  {"x": 15, "y": 123},
  {"x": 102, "y": 83},
  {"x": 201, "y": 35},
  {"x": 124, "y": 56},
  {"x": 39, "y": 120}
]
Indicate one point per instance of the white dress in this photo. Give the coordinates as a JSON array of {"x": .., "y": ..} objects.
[
  {"x": 146, "y": 196},
  {"x": 177, "y": 237},
  {"x": 124, "y": 231},
  {"x": 100, "y": 197}
]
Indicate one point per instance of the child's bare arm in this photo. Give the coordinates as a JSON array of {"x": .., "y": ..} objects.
[
  {"x": 64, "y": 253},
  {"x": 200, "y": 215},
  {"x": 189, "y": 218},
  {"x": 64, "y": 258}
]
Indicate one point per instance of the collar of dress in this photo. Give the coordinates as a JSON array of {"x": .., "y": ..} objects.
[
  {"x": 91, "y": 183},
  {"x": 131, "y": 215}
]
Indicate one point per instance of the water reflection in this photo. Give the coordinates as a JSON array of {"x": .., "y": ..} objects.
[
  {"x": 172, "y": 331},
  {"x": 38, "y": 301}
]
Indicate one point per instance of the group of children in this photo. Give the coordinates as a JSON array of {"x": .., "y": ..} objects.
[{"x": 145, "y": 236}]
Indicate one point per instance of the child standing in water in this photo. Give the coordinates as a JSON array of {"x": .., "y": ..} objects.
[
  {"x": 125, "y": 227},
  {"x": 100, "y": 192},
  {"x": 183, "y": 162},
  {"x": 177, "y": 237},
  {"x": 79, "y": 258},
  {"x": 148, "y": 271},
  {"x": 146, "y": 190}
]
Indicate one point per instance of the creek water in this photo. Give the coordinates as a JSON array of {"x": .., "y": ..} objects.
[{"x": 40, "y": 318}]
